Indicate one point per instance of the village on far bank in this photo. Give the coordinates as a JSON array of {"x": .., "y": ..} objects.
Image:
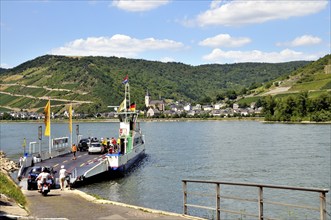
[{"x": 159, "y": 109}]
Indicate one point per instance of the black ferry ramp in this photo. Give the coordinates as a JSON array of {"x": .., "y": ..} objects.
[{"x": 84, "y": 166}]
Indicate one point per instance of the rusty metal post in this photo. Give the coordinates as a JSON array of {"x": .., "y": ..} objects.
[
  {"x": 260, "y": 201},
  {"x": 322, "y": 206},
  {"x": 218, "y": 198},
  {"x": 185, "y": 197}
]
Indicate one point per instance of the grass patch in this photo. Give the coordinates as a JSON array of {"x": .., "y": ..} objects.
[
  {"x": 249, "y": 100},
  {"x": 22, "y": 102},
  {"x": 314, "y": 85},
  {"x": 57, "y": 93},
  {"x": 313, "y": 94},
  {"x": 12, "y": 89},
  {"x": 55, "y": 102},
  {"x": 327, "y": 86},
  {"x": 70, "y": 86},
  {"x": 2, "y": 109},
  {"x": 41, "y": 104},
  {"x": 6, "y": 99},
  {"x": 316, "y": 94},
  {"x": 22, "y": 90},
  {"x": 11, "y": 190},
  {"x": 37, "y": 92},
  {"x": 322, "y": 76}
]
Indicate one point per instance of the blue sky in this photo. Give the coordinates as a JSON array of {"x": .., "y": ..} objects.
[{"x": 191, "y": 32}]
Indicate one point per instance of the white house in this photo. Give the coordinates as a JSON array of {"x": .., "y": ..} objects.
[
  {"x": 153, "y": 112},
  {"x": 207, "y": 107},
  {"x": 197, "y": 107},
  {"x": 187, "y": 107},
  {"x": 218, "y": 106},
  {"x": 235, "y": 106}
]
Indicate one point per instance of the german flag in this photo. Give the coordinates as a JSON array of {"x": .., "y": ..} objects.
[{"x": 133, "y": 107}]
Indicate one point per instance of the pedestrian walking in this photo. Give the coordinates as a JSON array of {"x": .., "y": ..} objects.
[
  {"x": 62, "y": 176},
  {"x": 74, "y": 150}
]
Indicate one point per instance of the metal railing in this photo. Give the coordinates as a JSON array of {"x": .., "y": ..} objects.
[{"x": 260, "y": 198}]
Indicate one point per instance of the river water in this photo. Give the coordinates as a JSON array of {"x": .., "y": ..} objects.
[{"x": 236, "y": 151}]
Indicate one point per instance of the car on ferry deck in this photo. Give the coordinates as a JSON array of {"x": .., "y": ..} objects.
[
  {"x": 83, "y": 144},
  {"x": 96, "y": 147}
]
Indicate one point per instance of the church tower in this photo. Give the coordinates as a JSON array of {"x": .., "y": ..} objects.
[{"x": 147, "y": 99}]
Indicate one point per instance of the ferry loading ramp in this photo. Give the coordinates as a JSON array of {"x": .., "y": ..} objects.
[{"x": 84, "y": 164}]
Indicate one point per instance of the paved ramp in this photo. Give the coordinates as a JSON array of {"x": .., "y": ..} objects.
[{"x": 74, "y": 204}]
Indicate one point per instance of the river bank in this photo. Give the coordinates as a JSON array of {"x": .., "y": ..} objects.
[{"x": 115, "y": 120}]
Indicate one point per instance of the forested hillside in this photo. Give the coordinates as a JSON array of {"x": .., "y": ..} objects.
[
  {"x": 2, "y": 70},
  {"x": 92, "y": 83}
]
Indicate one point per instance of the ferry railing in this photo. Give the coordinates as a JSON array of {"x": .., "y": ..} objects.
[
  {"x": 260, "y": 199},
  {"x": 32, "y": 147},
  {"x": 73, "y": 175}
]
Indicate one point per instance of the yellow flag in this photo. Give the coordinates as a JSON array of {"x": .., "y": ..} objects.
[
  {"x": 70, "y": 118},
  {"x": 24, "y": 143},
  {"x": 47, "y": 121},
  {"x": 122, "y": 106}
]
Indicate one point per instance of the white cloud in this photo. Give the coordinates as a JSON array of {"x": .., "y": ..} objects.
[
  {"x": 5, "y": 66},
  {"x": 236, "y": 13},
  {"x": 117, "y": 45},
  {"x": 302, "y": 41},
  {"x": 225, "y": 40},
  {"x": 138, "y": 5},
  {"x": 167, "y": 59},
  {"x": 220, "y": 56},
  {"x": 215, "y": 4}
]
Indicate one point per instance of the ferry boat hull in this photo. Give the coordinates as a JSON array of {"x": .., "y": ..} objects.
[{"x": 122, "y": 163}]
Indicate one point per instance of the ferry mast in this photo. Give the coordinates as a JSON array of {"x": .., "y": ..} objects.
[{"x": 127, "y": 101}]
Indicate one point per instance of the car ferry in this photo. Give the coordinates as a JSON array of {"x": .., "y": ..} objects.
[
  {"x": 122, "y": 155},
  {"x": 130, "y": 144},
  {"x": 119, "y": 158}
]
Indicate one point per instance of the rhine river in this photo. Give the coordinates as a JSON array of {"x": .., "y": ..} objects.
[{"x": 236, "y": 151}]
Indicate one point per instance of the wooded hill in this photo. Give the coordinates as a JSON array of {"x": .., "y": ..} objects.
[
  {"x": 93, "y": 83},
  {"x": 2, "y": 70}
]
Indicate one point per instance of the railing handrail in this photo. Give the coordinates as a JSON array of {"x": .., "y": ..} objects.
[
  {"x": 261, "y": 185},
  {"x": 260, "y": 200}
]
